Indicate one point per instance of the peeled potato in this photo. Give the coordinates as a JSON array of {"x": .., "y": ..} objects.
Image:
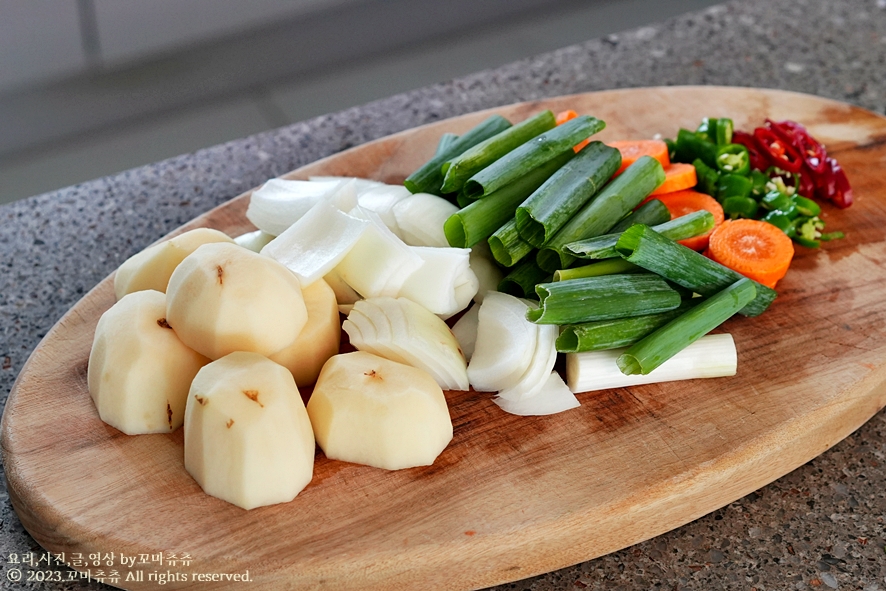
[
  {"x": 318, "y": 340},
  {"x": 248, "y": 439},
  {"x": 139, "y": 371},
  {"x": 152, "y": 267},
  {"x": 223, "y": 298},
  {"x": 369, "y": 410}
]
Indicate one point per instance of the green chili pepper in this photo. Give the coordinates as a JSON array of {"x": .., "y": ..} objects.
[
  {"x": 690, "y": 146},
  {"x": 805, "y": 206},
  {"x": 782, "y": 222},
  {"x": 724, "y": 131},
  {"x": 740, "y": 207},
  {"x": 707, "y": 177},
  {"x": 733, "y": 185},
  {"x": 707, "y": 129},
  {"x": 733, "y": 158},
  {"x": 778, "y": 201},
  {"x": 758, "y": 182}
]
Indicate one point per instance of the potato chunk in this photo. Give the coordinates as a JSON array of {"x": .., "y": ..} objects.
[
  {"x": 319, "y": 340},
  {"x": 139, "y": 371},
  {"x": 369, "y": 410},
  {"x": 223, "y": 298},
  {"x": 248, "y": 439},
  {"x": 152, "y": 267}
]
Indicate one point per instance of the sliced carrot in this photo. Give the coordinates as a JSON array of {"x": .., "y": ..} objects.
[
  {"x": 679, "y": 203},
  {"x": 563, "y": 117},
  {"x": 631, "y": 150},
  {"x": 678, "y": 176},
  {"x": 754, "y": 248}
]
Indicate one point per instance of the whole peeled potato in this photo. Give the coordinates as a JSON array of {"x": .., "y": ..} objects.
[{"x": 224, "y": 298}]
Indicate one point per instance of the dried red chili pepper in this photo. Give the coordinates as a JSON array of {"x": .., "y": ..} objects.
[
  {"x": 811, "y": 151},
  {"x": 758, "y": 159}
]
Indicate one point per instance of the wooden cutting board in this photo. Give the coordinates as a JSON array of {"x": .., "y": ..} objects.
[{"x": 511, "y": 496}]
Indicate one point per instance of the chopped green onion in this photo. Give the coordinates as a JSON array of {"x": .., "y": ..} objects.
[
  {"x": 507, "y": 246},
  {"x": 481, "y": 218},
  {"x": 601, "y": 298},
  {"x": 429, "y": 178},
  {"x": 612, "y": 203},
  {"x": 617, "y": 332},
  {"x": 651, "y": 213},
  {"x": 531, "y": 154},
  {"x": 565, "y": 192},
  {"x": 607, "y": 267},
  {"x": 647, "y": 248},
  {"x": 659, "y": 346},
  {"x": 521, "y": 281},
  {"x": 462, "y": 167},
  {"x": 686, "y": 226}
]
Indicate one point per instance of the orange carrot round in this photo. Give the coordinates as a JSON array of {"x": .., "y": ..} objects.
[
  {"x": 678, "y": 176},
  {"x": 679, "y": 203},
  {"x": 754, "y": 248},
  {"x": 631, "y": 150}
]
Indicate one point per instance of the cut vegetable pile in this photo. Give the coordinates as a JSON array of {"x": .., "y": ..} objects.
[{"x": 513, "y": 243}]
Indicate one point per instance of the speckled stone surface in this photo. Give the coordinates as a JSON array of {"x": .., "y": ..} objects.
[{"x": 820, "y": 527}]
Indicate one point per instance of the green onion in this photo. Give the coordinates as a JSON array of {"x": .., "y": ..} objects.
[
  {"x": 557, "y": 200},
  {"x": 531, "y": 154},
  {"x": 521, "y": 281},
  {"x": 651, "y": 213},
  {"x": 686, "y": 226},
  {"x": 481, "y": 218},
  {"x": 607, "y": 267},
  {"x": 664, "y": 343},
  {"x": 618, "y": 332},
  {"x": 601, "y": 298},
  {"x": 507, "y": 246},
  {"x": 462, "y": 167},
  {"x": 429, "y": 178},
  {"x": 616, "y": 199},
  {"x": 647, "y": 248},
  {"x": 446, "y": 140}
]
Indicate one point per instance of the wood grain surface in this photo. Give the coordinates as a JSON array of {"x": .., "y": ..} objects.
[{"x": 511, "y": 496}]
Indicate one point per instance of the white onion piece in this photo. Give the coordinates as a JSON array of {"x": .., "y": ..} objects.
[
  {"x": 433, "y": 285},
  {"x": 711, "y": 356},
  {"x": 279, "y": 203},
  {"x": 553, "y": 397},
  {"x": 344, "y": 195},
  {"x": 486, "y": 271},
  {"x": 362, "y": 185},
  {"x": 344, "y": 294},
  {"x": 421, "y": 217},
  {"x": 381, "y": 200},
  {"x": 505, "y": 343},
  {"x": 316, "y": 243},
  {"x": 465, "y": 331},
  {"x": 407, "y": 333},
  {"x": 464, "y": 291},
  {"x": 254, "y": 241},
  {"x": 379, "y": 263},
  {"x": 543, "y": 359}
]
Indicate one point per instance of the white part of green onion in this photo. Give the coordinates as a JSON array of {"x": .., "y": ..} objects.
[
  {"x": 505, "y": 343},
  {"x": 711, "y": 356},
  {"x": 421, "y": 217},
  {"x": 465, "y": 330},
  {"x": 279, "y": 203},
  {"x": 553, "y": 397},
  {"x": 379, "y": 263},
  {"x": 317, "y": 242}
]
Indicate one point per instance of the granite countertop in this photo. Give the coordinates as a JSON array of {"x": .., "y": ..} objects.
[{"x": 820, "y": 527}]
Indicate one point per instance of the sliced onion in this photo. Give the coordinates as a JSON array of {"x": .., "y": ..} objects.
[
  {"x": 421, "y": 217},
  {"x": 543, "y": 359},
  {"x": 505, "y": 343},
  {"x": 433, "y": 285},
  {"x": 279, "y": 203},
  {"x": 379, "y": 263},
  {"x": 487, "y": 272},
  {"x": 344, "y": 294},
  {"x": 407, "y": 333},
  {"x": 362, "y": 185},
  {"x": 381, "y": 200},
  {"x": 465, "y": 330},
  {"x": 554, "y": 397},
  {"x": 316, "y": 243}
]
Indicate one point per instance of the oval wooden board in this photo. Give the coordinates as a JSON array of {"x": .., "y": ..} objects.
[{"x": 511, "y": 497}]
